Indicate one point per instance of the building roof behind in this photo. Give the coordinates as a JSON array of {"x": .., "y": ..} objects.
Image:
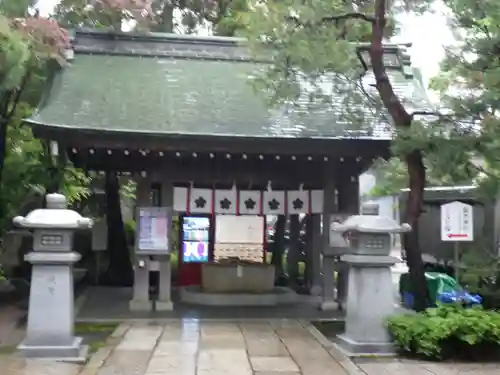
[{"x": 184, "y": 85}]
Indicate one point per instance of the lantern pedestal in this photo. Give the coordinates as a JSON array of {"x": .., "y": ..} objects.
[
  {"x": 370, "y": 296},
  {"x": 51, "y": 315},
  {"x": 51, "y": 309},
  {"x": 370, "y": 302}
]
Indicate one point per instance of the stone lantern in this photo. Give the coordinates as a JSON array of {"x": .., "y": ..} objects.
[
  {"x": 50, "y": 328},
  {"x": 370, "y": 296},
  {"x": 367, "y": 208}
]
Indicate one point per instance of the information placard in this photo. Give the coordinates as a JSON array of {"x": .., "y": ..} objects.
[
  {"x": 457, "y": 222},
  {"x": 153, "y": 229},
  {"x": 247, "y": 229}
]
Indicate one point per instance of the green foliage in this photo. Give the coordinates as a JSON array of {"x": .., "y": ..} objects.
[
  {"x": 481, "y": 271},
  {"x": 469, "y": 89},
  {"x": 481, "y": 263},
  {"x": 128, "y": 188},
  {"x": 16, "y": 8},
  {"x": 446, "y": 331},
  {"x": 315, "y": 59},
  {"x": 442, "y": 170},
  {"x": 26, "y": 168},
  {"x": 14, "y": 56},
  {"x": 305, "y": 54},
  {"x": 153, "y": 15},
  {"x": 391, "y": 176},
  {"x": 102, "y": 13}
]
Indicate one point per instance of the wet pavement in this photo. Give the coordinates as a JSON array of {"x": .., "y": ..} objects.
[
  {"x": 112, "y": 304},
  {"x": 408, "y": 367},
  {"x": 191, "y": 347},
  {"x": 211, "y": 347}
]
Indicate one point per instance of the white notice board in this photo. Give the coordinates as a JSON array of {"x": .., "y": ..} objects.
[
  {"x": 153, "y": 229},
  {"x": 457, "y": 222},
  {"x": 245, "y": 229}
]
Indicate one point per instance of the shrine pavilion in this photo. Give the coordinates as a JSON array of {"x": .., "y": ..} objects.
[{"x": 180, "y": 112}]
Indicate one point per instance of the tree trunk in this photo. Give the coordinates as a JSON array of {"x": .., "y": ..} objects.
[
  {"x": 414, "y": 159},
  {"x": 416, "y": 173},
  {"x": 119, "y": 272}
]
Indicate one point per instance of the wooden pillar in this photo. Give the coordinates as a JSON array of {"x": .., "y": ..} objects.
[
  {"x": 293, "y": 254},
  {"x": 140, "y": 299},
  {"x": 164, "y": 302},
  {"x": 278, "y": 246},
  {"x": 349, "y": 203},
  {"x": 348, "y": 194},
  {"x": 329, "y": 207},
  {"x": 314, "y": 245}
]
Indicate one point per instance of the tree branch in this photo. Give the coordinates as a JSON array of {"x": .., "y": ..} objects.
[
  {"x": 334, "y": 19},
  {"x": 425, "y": 113},
  {"x": 349, "y": 16},
  {"x": 480, "y": 169}
]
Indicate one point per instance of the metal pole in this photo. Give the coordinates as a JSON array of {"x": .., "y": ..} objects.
[{"x": 456, "y": 249}]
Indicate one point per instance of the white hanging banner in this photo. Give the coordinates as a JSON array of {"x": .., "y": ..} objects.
[
  {"x": 316, "y": 201},
  {"x": 180, "y": 199},
  {"x": 225, "y": 202},
  {"x": 200, "y": 201},
  {"x": 297, "y": 202},
  {"x": 273, "y": 202},
  {"x": 250, "y": 202}
]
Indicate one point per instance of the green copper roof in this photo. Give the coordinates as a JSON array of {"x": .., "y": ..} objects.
[{"x": 179, "y": 85}]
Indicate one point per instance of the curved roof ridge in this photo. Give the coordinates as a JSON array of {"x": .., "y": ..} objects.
[{"x": 156, "y": 37}]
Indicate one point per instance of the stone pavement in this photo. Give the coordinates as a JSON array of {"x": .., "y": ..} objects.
[
  {"x": 188, "y": 347},
  {"x": 193, "y": 347},
  {"x": 408, "y": 367}
]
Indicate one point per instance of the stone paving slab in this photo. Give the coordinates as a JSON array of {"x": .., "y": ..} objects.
[
  {"x": 193, "y": 347},
  {"x": 19, "y": 366},
  {"x": 273, "y": 364},
  {"x": 125, "y": 362},
  {"x": 408, "y": 367}
]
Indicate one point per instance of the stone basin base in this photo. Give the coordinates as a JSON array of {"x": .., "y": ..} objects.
[
  {"x": 277, "y": 296},
  {"x": 237, "y": 277}
]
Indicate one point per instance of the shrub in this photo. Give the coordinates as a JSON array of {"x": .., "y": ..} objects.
[{"x": 448, "y": 331}]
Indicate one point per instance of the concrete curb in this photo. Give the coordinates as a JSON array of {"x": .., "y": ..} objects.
[{"x": 334, "y": 351}]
